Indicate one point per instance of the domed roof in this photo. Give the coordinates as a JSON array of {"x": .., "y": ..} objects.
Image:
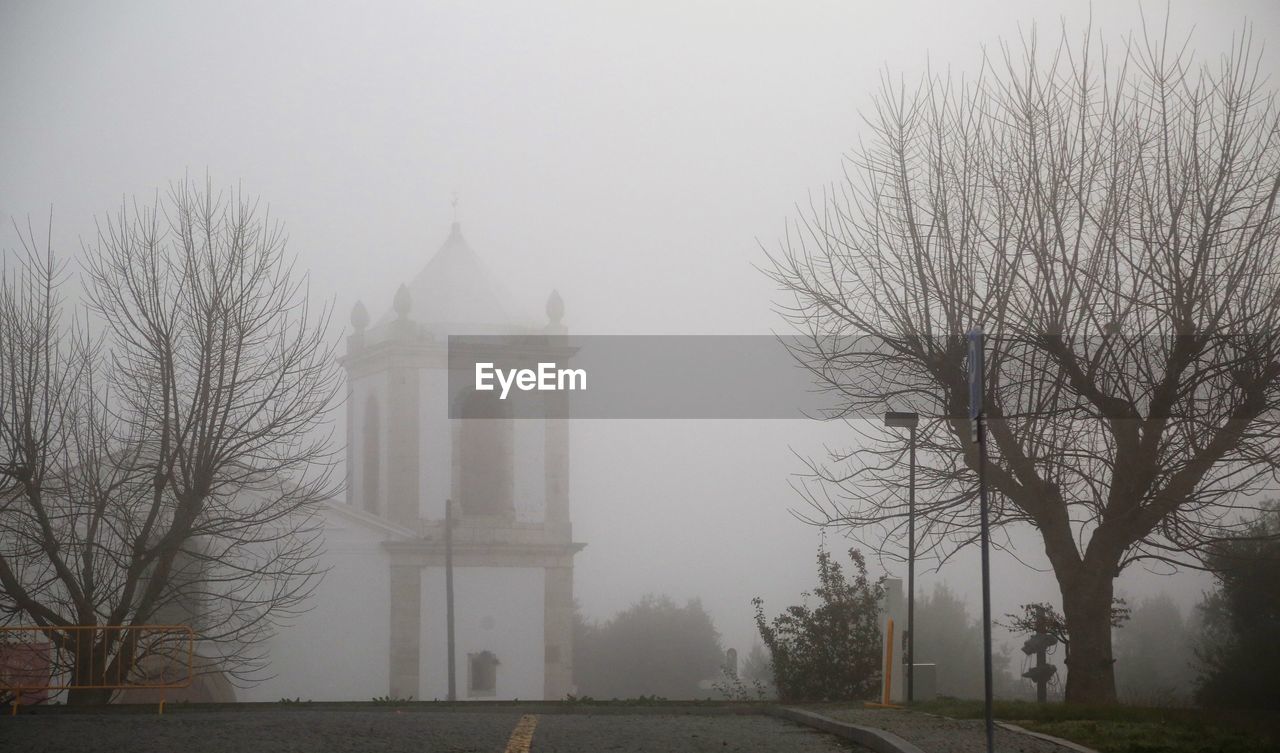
[{"x": 455, "y": 287}]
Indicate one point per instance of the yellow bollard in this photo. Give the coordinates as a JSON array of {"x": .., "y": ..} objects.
[
  {"x": 888, "y": 673},
  {"x": 888, "y": 664},
  {"x": 162, "y": 706}
]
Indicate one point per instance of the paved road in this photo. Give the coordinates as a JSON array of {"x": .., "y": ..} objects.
[{"x": 396, "y": 731}]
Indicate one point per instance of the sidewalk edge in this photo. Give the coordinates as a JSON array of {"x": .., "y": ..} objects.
[
  {"x": 877, "y": 740},
  {"x": 1077, "y": 747}
]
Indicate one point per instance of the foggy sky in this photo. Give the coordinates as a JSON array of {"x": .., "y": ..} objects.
[{"x": 632, "y": 155}]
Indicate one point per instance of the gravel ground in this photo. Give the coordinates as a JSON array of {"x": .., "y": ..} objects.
[
  {"x": 936, "y": 734},
  {"x": 391, "y": 730}
]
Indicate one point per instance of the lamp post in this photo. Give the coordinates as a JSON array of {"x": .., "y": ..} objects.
[
  {"x": 901, "y": 420},
  {"x": 448, "y": 596}
]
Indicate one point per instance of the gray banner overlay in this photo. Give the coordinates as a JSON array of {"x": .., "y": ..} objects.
[
  {"x": 764, "y": 376},
  {"x": 632, "y": 376}
]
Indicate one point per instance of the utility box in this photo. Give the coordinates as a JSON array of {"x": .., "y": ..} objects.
[{"x": 924, "y": 685}]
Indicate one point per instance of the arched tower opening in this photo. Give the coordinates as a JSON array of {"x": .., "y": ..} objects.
[
  {"x": 486, "y": 466},
  {"x": 371, "y": 459}
]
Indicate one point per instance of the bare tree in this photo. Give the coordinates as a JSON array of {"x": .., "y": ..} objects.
[
  {"x": 163, "y": 456},
  {"x": 1109, "y": 217}
]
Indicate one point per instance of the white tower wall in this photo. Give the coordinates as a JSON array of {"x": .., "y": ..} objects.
[{"x": 496, "y": 609}]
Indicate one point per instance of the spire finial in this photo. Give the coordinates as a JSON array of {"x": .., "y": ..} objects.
[
  {"x": 401, "y": 302},
  {"x": 454, "y": 203},
  {"x": 359, "y": 317},
  {"x": 555, "y": 308}
]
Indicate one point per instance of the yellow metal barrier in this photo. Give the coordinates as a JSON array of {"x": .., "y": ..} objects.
[{"x": 105, "y": 657}]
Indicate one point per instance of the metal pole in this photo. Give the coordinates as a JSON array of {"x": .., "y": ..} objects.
[
  {"x": 1042, "y": 684},
  {"x": 986, "y": 583},
  {"x": 448, "y": 595},
  {"x": 977, "y": 388},
  {"x": 909, "y": 650}
]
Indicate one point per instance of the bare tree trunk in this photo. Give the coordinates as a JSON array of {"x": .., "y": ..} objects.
[
  {"x": 88, "y": 668},
  {"x": 1086, "y": 605},
  {"x": 89, "y": 696}
]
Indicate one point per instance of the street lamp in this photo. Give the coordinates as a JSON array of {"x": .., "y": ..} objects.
[
  {"x": 448, "y": 596},
  {"x": 901, "y": 420}
]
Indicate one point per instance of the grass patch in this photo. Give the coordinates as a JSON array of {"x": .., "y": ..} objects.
[{"x": 1131, "y": 729}]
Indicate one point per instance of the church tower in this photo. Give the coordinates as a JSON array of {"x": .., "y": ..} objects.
[{"x": 508, "y": 480}]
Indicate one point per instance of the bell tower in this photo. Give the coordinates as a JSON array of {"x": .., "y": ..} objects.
[{"x": 509, "y": 480}]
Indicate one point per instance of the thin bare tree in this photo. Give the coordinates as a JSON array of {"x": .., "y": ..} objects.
[
  {"x": 1108, "y": 215},
  {"x": 163, "y": 455}
]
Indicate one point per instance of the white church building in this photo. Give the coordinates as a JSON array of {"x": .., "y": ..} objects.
[{"x": 378, "y": 626}]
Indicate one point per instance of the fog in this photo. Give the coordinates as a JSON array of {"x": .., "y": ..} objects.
[{"x": 636, "y": 157}]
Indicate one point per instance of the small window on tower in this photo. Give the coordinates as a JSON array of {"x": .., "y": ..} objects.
[{"x": 482, "y": 674}]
